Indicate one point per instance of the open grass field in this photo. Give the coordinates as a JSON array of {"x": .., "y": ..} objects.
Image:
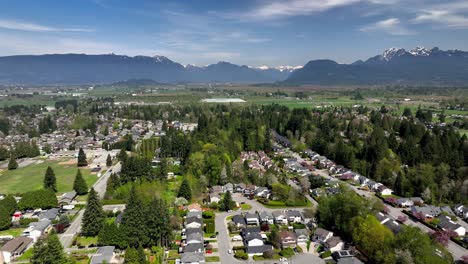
[{"x": 31, "y": 178}]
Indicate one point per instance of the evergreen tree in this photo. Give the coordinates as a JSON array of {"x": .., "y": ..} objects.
[
  {"x": 122, "y": 155},
  {"x": 79, "y": 185},
  {"x": 185, "y": 191},
  {"x": 109, "y": 160},
  {"x": 227, "y": 203},
  {"x": 93, "y": 217},
  {"x": 131, "y": 256},
  {"x": 158, "y": 217},
  {"x": 48, "y": 251},
  {"x": 111, "y": 235},
  {"x": 141, "y": 255},
  {"x": 5, "y": 218},
  {"x": 82, "y": 158},
  {"x": 12, "y": 164},
  {"x": 50, "y": 181},
  {"x": 134, "y": 220}
]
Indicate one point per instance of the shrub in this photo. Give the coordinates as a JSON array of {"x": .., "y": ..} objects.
[
  {"x": 240, "y": 254},
  {"x": 27, "y": 221},
  {"x": 287, "y": 252},
  {"x": 326, "y": 254},
  {"x": 208, "y": 215},
  {"x": 269, "y": 254}
]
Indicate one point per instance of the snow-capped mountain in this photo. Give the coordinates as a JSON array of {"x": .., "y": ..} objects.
[
  {"x": 394, "y": 66},
  {"x": 284, "y": 68}
]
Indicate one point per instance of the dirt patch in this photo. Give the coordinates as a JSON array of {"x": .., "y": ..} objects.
[{"x": 68, "y": 162}]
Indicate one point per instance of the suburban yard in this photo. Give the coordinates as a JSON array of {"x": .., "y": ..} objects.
[{"x": 31, "y": 178}]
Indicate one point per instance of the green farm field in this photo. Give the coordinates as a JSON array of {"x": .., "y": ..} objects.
[{"x": 31, "y": 178}]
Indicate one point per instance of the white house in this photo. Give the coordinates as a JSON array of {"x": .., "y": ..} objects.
[
  {"x": 334, "y": 244},
  {"x": 36, "y": 229},
  {"x": 215, "y": 198},
  {"x": 252, "y": 219},
  {"x": 253, "y": 239},
  {"x": 382, "y": 190},
  {"x": 280, "y": 217}
]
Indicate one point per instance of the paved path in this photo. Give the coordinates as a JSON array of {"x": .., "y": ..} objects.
[{"x": 75, "y": 227}]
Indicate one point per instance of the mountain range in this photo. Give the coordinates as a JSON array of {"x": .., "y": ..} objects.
[
  {"x": 419, "y": 66},
  {"x": 110, "y": 68}
]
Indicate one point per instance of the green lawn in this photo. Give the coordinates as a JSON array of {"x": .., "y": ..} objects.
[
  {"x": 12, "y": 232},
  {"x": 26, "y": 255},
  {"x": 31, "y": 177},
  {"x": 212, "y": 259},
  {"x": 86, "y": 241},
  {"x": 246, "y": 206}
]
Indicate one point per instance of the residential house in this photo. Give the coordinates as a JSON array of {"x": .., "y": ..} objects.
[
  {"x": 302, "y": 235},
  {"x": 51, "y": 214},
  {"x": 427, "y": 211},
  {"x": 382, "y": 190},
  {"x": 258, "y": 250},
  {"x": 280, "y": 217},
  {"x": 104, "y": 255},
  {"x": 194, "y": 247},
  {"x": 252, "y": 219},
  {"x": 37, "y": 229},
  {"x": 67, "y": 198},
  {"x": 407, "y": 202},
  {"x": 372, "y": 185},
  {"x": 288, "y": 238},
  {"x": 294, "y": 216},
  {"x": 217, "y": 189},
  {"x": 351, "y": 260},
  {"x": 334, "y": 244},
  {"x": 192, "y": 258},
  {"x": 194, "y": 207},
  {"x": 393, "y": 225},
  {"x": 363, "y": 180},
  {"x": 193, "y": 222},
  {"x": 187, "y": 232},
  {"x": 193, "y": 238},
  {"x": 239, "y": 221},
  {"x": 266, "y": 217},
  {"x": 240, "y": 187},
  {"x": 461, "y": 211},
  {"x": 215, "y": 198},
  {"x": 317, "y": 192},
  {"x": 228, "y": 187},
  {"x": 196, "y": 214},
  {"x": 253, "y": 239},
  {"x": 321, "y": 235},
  {"x": 262, "y": 192},
  {"x": 15, "y": 248},
  {"x": 446, "y": 223}
]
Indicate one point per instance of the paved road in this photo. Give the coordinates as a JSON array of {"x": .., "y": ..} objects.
[
  {"x": 75, "y": 227},
  {"x": 224, "y": 239},
  {"x": 457, "y": 251}
]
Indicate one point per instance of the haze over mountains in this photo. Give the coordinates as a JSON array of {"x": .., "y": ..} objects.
[{"x": 419, "y": 66}]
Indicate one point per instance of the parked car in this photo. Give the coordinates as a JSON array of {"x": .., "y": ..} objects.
[{"x": 230, "y": 251}]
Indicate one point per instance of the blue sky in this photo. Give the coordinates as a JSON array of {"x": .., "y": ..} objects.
[{"x": 251, "y": 32}]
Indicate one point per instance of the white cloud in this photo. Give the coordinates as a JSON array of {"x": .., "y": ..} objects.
[
  {"x": 280, "y": 9},
  {"x": 390, "y": 26},
  {"x": 445, "y": 18},
  {"x": 26, "y": 26}
]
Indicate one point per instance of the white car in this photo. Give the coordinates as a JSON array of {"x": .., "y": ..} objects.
[{"x": 230, "y": 251}]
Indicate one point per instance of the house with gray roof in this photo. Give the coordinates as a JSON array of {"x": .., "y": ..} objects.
[
  {"x": 104, "y": 255},
  {"x": 266, "y": 217},
  {"x": 194, "y": 248},
  {"x": 192, "y": 258},
  {"x": 51, "y": 214},
  {"x": 15, "y": 248}
]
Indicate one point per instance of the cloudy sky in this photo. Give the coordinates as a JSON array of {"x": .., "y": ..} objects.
[{"x": 251, "y": 32}]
